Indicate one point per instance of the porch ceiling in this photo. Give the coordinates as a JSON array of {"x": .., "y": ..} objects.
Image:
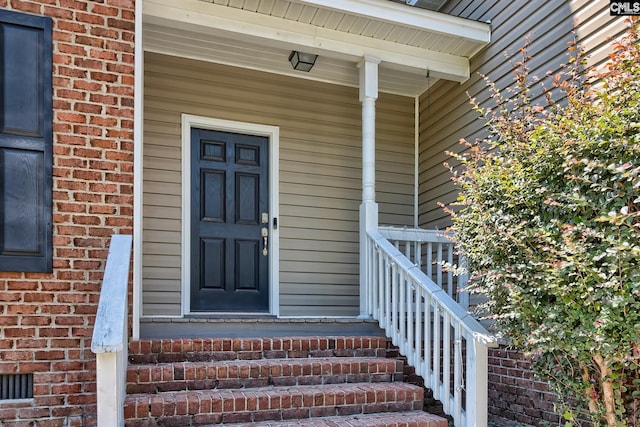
[{"x": 259, "y": 34}]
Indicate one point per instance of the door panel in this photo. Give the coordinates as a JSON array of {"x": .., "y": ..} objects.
[
  {"x": 212, "y": 271},
  {"x": 212, "y": 197},
  {"x": 229, "y": 180},
  {"x": 247, "y": 264},
  {"x": 247, "y": 198}
]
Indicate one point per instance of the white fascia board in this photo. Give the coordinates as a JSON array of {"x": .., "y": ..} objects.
[
  {"x": 399, "y": 14},
  {"x": 214, "y": 19}
]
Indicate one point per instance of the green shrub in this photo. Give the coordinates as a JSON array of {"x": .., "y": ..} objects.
[{"x": 548, "y": 217}]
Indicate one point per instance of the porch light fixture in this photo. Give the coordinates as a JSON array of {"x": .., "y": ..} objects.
[{"x": 302, "y": 61}]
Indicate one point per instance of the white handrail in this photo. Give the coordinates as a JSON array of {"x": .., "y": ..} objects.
[
  {"x": 110, "y": 336},
  {"x": 447, "y": 346}
]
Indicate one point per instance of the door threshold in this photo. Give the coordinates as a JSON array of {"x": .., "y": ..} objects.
[
  {"x": 254, "y": 326},
  {"x": 223, "y": 316}
]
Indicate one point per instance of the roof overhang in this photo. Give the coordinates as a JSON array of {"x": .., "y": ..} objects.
[{"x": 259, "y": 34}]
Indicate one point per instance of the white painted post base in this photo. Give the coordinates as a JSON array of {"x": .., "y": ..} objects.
[
  {"x": 110, "y": 390},
  {"x": 368, "y": 222},
  {"x": 477, "y": 384}
]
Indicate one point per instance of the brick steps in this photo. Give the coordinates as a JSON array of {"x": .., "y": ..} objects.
[
  {"x": 311, "y": 381},
  {"x": 217, "y": 349},
  {"x": 270, "y": 403},
  {"x": 149, "y": 378}
]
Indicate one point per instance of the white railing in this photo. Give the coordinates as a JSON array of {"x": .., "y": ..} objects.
[
  {"x": 110, "y": 337},
  {"x": 431, "y": 252},
  {"x": 445, "y": 344}
]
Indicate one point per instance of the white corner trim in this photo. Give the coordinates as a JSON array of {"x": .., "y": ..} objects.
[
  {"x": 138, "y": 152},
  {"x": 271, "y": 132}
]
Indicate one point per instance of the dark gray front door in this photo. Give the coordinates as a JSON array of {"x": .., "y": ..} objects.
[{"x": 229, "y": 217}]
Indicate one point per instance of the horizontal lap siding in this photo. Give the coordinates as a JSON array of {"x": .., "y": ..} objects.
[
  {"x": 320, "y": 175},
  {"x": 445, "y": 113}
]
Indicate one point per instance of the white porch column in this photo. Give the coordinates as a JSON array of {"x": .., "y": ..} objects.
[{"x": 369, "y": 208}]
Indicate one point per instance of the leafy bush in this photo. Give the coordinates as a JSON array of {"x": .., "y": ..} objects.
[{"x": 548, "y": 218}]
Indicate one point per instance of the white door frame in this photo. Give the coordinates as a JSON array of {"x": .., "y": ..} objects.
[{"x": 271, "y": 132}]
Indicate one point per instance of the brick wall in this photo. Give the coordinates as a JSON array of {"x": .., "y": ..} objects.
[
  {"x": 515, "y": 394},
  {"x": 46, "y": 319}
]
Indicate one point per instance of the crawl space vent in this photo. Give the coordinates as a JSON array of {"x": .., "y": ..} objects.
[{"x": 16, "y": 386}]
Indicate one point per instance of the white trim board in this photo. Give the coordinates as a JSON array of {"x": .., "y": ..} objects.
[
  {"x": 216, "y": 20},
  {"x": 138, "y": 166},
  {"x": 273, "y": 133}
]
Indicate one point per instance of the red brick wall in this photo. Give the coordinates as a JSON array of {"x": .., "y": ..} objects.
[
  {"x": 514, "y": 392},
  {"x": 46, "y": 320}
]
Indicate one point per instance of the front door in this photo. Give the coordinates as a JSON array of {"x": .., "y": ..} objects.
[{"x": 229, "y": 222}]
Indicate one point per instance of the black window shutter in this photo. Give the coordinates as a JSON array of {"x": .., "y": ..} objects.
[{"x": 25, "y": 142}]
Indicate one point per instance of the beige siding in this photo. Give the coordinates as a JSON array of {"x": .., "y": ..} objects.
[
  {"x": 445, "y": 113},
  {"x": 320, "y": 175}
]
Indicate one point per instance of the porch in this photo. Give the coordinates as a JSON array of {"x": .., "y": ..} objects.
[
  {"x": 342, "y": 143},
  {"x": 260, "y": 190}
]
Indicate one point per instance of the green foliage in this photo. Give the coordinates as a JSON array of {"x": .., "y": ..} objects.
[{"x": 548, "y": 218}]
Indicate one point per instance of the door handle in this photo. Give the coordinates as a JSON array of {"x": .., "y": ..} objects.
[{"x": 265, "y": 241}]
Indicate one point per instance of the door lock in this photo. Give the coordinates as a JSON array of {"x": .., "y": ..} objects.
[
  {"x": 265, "y": 218},
  {"x": 265, "y": 240}
]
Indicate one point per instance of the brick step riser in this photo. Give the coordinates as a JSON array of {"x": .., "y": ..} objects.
[
  {"x": 256, "y": 405},
  {"x": 276, "y": 372},
  {"x": 403, "y": 419},
  {"x": 220, "y": 349}
]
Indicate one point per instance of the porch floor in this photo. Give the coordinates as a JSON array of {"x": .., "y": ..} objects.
[{"x": 254, "y": 327}]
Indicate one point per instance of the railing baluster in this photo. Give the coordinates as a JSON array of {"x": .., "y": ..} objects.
[
  {"x": 394, "y": 304},
  {"x": 370, "y": 259},
  {"x": 446, "y": 362},
  {"x": 410, "y": 324},
  {"x": 439, "y": 266},
  {"x": 450, "y": 287},
  {"x": 385, "y": 303},
  {"x": 437, "y": 353},
  {"x": 387, "y": 293},
  {"x": 457, "y": 374},
  {"x": 463, "y": 295},
  {"x": 428, "y": 342},
  {"x": 380, "y": 287},
  {"x": 373, "y": 271},
  {"x": 418, "y": 332},
  {"x": 402, "y": 312},
  {"x": 429, "y": 260}
]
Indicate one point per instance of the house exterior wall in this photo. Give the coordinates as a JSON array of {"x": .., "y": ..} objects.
[
  {"x": 46, "y": 319},
  {"x": 446, "y": 117},
  {"x": 445, "y": 113},
  {"x": 320, "y": 174}
]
